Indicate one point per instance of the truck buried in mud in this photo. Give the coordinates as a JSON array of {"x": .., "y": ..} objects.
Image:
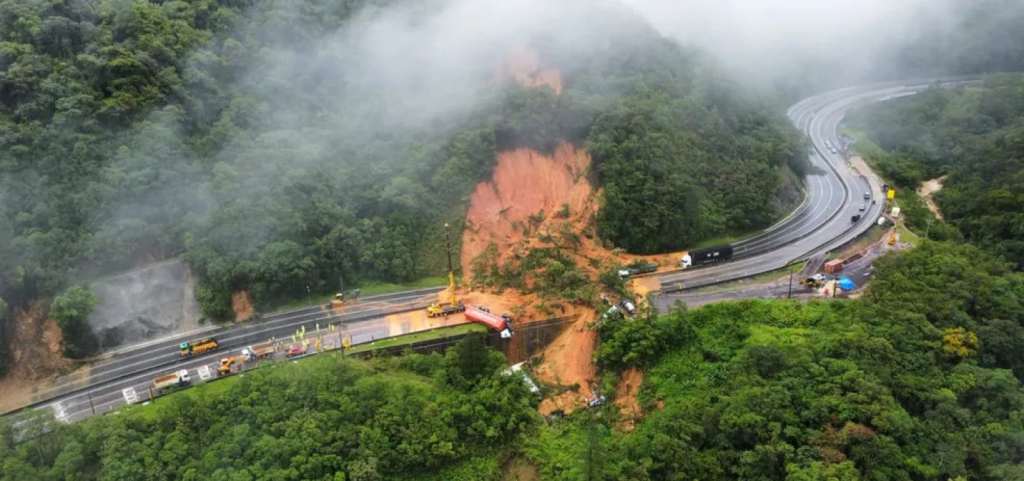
[{"x": 639, "y": 267}]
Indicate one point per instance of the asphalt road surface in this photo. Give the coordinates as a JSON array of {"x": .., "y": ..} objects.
[
  {"x": 162, "y": 355},
  {"x": 859, "y": 271},
  {"x": 821, "y": 223},
  {"x": 836, "y": 193}
]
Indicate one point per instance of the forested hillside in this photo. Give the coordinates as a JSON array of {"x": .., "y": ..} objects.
[
  {"x": 920, "y": 379},
  {"x": 279, "y": 145},
  {"x": 973, "y": 135}
]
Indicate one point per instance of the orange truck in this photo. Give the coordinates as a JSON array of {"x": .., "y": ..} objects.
[
  {"x": 834, "y": 266},
  {"x": 200, "y": 346}
]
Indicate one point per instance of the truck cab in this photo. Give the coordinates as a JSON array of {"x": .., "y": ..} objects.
[{"x": 686, "y": 261}]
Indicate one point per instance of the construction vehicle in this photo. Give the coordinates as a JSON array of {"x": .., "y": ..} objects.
[
  {"x": 501, "y": 324},
  {"x": 341, "y": 298},
  {"x": 892, "y": 237},
  {"x": 198, "y": 347},
  {"x": 706, "y": 256},
  {"x": 453, "y": 306},
  {"x": 816, "y": 281},
  {"x": 259, "y": 351},
  {"x": 227, "y": 363},
  {"x": 176, "y": 379}
]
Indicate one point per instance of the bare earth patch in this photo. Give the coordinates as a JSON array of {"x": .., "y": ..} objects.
[
  {"x": 625, "y": 398},
  {"x": 568, "y": 361},
  {"x": 37, "y": 355},
  {"x": 927, "y": 189},
  {"x": 242, "y": 305}
]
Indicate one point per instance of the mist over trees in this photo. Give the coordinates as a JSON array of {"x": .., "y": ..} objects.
[
  {"x": 279, "y": 145},
  {"x": 975, "y": 136}
]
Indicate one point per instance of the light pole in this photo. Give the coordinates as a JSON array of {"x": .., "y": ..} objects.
[
  {"x": 309, "y": 295},
  {"x": 790, "y": 296}
]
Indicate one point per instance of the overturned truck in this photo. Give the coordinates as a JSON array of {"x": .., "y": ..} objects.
[{"x": 501, "y": 324}]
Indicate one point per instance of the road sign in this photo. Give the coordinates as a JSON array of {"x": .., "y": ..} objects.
[{"x": 129, "y": 395}]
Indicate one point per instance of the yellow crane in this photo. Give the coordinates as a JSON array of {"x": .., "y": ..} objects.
[{"x": 453, "y": 306}]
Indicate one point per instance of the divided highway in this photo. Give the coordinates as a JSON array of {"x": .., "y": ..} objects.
[
  {"x": 822, "y": 222},
  {"x": 836, "y": 192}
]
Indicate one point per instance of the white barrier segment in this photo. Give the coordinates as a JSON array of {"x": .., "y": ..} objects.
[
  {"x": 60, "y": 413},
  {"x": 129, "y": 395}
]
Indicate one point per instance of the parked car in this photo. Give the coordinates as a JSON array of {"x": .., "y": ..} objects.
[{"x": 294, "y": 351}]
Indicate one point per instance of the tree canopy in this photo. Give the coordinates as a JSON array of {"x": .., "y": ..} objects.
[{"x": 973, "y": 135}]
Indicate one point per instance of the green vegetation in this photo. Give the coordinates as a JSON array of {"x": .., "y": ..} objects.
[
  {"x": 975, "y": 137},
  {"x": 71, "y": 311},
  {"x": 918, "y": 380},
  {"x": 421, "y": 336},
  {"x": 142, "y": 131},
  {"x": 324, "y": 418},
  {"x": 369, "y": 288}
]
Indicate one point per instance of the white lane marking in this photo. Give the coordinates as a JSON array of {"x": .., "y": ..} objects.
[{"x": 229, "y": 339}]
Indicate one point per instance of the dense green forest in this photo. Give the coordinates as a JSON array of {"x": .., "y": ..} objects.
[
  {"x": 919, "y": 379},
  {"x": 276, "y": 145},
  {"x": 975, "y": 136}
]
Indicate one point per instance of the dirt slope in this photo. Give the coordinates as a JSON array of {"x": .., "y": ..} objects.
[
  {"x": 927, "y": 189},
  {"x": 37, "y": 355},
  {"x": 524, "y": 65}
]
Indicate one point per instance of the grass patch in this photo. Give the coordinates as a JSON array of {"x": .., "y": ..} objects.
[
  {"x": 863, "y": 146},
  {"x": 726, "y": 239},
  {"x": 367, "y": 289},
  {"x": 906, "y": 235},
  {"x": 415, "y": 337},
  {"x": 151, "y": 411}
]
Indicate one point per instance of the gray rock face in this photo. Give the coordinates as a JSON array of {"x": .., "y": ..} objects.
[{"x": 144, "y": 304}]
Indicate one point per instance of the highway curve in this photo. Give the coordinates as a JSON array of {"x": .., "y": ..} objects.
[
  {"x": 821, "y": 223},
  {"x": 836, "y": 192}
]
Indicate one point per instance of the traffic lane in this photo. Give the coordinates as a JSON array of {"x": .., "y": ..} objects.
[
  {"x": 256, "y": 334},
  {"x": 817, "y": 186},
  {"x": 825, "y": 206},
  {"x": 110, "y": 396},
  {"x": 822, "y": 193},
  {"x": 102, "y": 398},
  {"x": 145, "y": 348},
  {"x": 248, "y": 334},
  {"x": 289, "y": 318}
]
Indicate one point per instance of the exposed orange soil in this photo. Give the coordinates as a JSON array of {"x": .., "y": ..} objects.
[
  {"x": 528, "y": 184},
  {"x": 625, "y": 398},
  {"x": 33, "y": 363},
  {"x": 242, "y": 305},
  {"x": 524, "y": 65},
  {"x": 926, "y": 190},
  {"x": 567, "y": 361}
]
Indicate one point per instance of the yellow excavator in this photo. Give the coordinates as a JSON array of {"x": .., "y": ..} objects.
[
  {"x": 342, "y": 298},
  {"x": 892, "y": 237},
  {"x": 453, "y": 306},
  {"x": 814, "y": 282}
]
